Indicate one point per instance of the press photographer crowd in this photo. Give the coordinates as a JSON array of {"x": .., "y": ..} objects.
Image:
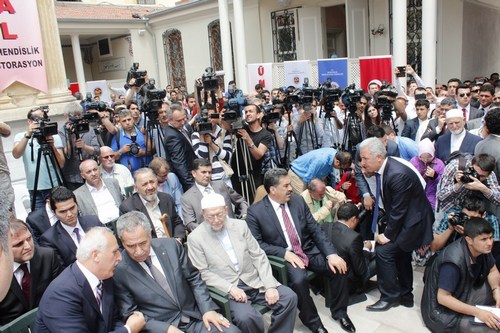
[{"x": 144, "y": 208}]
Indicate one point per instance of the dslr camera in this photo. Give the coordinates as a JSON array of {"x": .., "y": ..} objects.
[
  {"x": 470, "y": 172},
  {"x": 458, "y": 219},
  {"x": 134, "y": 147}
]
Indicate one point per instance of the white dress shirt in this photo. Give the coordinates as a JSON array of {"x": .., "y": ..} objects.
[{"x": 279, "y": 214}]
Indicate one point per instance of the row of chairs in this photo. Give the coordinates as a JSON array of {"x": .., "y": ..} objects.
[{"x": 22, "y": 324}]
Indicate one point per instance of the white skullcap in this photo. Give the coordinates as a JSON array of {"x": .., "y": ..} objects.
[
  {"x": 454, "y": 113},
  {"x": 377, "y": 82},
  {"x": 213, "y": 200}
]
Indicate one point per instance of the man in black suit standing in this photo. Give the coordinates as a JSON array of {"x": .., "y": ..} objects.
[
  {"x": 34, "y": 269},
  {"x": 156, "y": 278},
  {"x": 284, "y": 227},
  {"x": 178, "y": 145},
  {"x": 399, "y": 190},
  {"x": 350, "y": 247},
  {"x": 158, "y": 207},
  {"x": 65, "y": 236}
]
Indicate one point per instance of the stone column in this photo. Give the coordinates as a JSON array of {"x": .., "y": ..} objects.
[
  {"x": 241, "y": 51},
  {"x": 77, "y": 55},
  {"x": 429, "y": 34},
  {"x": 225, "y": 38},
  {"x": 399, "y": 34},
  {"x": 54, "y": 62}
]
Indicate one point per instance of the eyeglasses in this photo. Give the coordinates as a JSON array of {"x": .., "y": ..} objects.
[
  {"x": 214, "y": 217},
  {"x": 475, "y": 91},
  {"x": 464, "y": 94}
]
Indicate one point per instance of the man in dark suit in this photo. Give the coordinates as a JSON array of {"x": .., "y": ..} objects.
[
  {"x": 158, "y": 207},
  {"x": 400, "y": 192},
  {"x": 39, "y": 220},
  {"x": 178, "y": 145},
  {"x": 81, "y": 298},
  {"x": 99, "y": 196},
  {"x": 350, "y": 247},
  {"x": 463, "y": 96},
  {"x": 457, "y": 139},
  {"x": 156, "y": 278},
  {"x": 415, "y": 128},
  {"x": 191, "y": 207},
  {"x": 284, "y": 227},
  {"x": 437, "y": 125},
  {"x": 34, "y": 269},
  {"x": 66, "y": 234}
]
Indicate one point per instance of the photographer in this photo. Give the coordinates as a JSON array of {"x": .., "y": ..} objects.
[
  {"x": 307, "y": 126},
  {"x": 215, "y": 145},
  {"x": 464, "y": 176},
  {"x": 37, "y": 117},
  {"x": 80, "y": 143},
  {"x": 451, "y": 226},
  {"x": 129, "y": 143}
]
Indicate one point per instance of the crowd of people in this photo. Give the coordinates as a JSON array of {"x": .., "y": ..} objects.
[{"x": 136, "y": 213}]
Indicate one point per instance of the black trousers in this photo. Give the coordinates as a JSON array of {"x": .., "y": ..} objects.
[{"x": 298, "y": 282}]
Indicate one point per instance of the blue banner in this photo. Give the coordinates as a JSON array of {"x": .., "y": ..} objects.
[{"x": 333, "y": 69}]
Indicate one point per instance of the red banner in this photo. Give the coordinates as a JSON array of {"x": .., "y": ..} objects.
[
  {"x": 371, "y": 68},
  {"x": 21, "y": 48}
]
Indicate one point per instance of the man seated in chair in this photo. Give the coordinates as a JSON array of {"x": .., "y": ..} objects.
[
  {"x": 230, "y": 259},
  {"x": 110, "y": 169}
]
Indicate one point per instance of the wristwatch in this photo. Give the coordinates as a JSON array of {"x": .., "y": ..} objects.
[{"x": 251, "y": 146}]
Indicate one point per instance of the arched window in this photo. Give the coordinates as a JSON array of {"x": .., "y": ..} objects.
[
  {"x": 215, "y": 45},
  {"x": 174, "y": 57}
]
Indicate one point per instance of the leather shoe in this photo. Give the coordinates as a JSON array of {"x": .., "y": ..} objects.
[
  {"x": 321, "y": 329},
  {"x": 347, "y": 324},
  {"x": 381, "y": 305},
  {"x": 407, "y": 303}
]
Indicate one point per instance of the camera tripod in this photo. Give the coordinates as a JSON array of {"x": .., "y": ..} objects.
[
  {"x": 308, "y": 133},
  {"x": 352, "y": 126},
  {"x": 158, "y": 141},
  {"x": 45, "y": 150},
  {"x": 244, "y": 170},
  {"x": 289, "y": 138},
  {"x": 331, "y": 128}
]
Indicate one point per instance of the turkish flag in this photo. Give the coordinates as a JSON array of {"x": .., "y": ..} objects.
[{"x": 375, "y": 68}]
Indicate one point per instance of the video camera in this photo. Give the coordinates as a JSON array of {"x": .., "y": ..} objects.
[
  {"x": 89, "y": 104},
  {"x": 203, "y": 121},
  {"x": 351, "y": 97},
  {"x": 46, "y": 128},
  {"x": 269, "y": 115},
  {"x": 385, "y": 101},
  {"x": 152, "y": 99},
  {"x": 210, "y": 80},
  {"x": 138, "y": 75},
  {"x": 77, "y": 125},
  {"x": 329, "y": 95}
]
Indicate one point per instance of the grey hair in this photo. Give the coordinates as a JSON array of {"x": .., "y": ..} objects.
[
  {"x": 375, "y": 147},
  {"x": 313, "y": 184},
  {"x": 174, "y": 107},
  {"x": 124, "y": 113},
  {"x": 130, "y": 221},
  {"x": 449, "y": 101},
  {"x": 94, "y": 240},
  {"x": 72, "y": 108},
  {"x": 143, "y": 171}
]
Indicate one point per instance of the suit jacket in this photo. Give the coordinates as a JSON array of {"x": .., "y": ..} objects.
[
  {"x": 69, "y": 305},
  {"x": 58, "y": 239},
  {"x": 431, "y": 133},
  {"x": 137, "y": 290},
  {"x": 86, "y": 204},
  {"x": 39, "y": 222},
  {"x": 337, "y": 197},
  {"x": 443, "y": 145},
  {"x": 475, "y": 113},
  {"x": 265, "y": 227},
  {"x": 411, "y": 128},
  {"x": 44, "y": 267},
  {"x": 349, "y": 245},
  {"x": 491, "y": 145},
  {"x": 180, "y": 156},
  {"x": 191, "y": 203},
  {"x": 167, "y": 206},
  {"x": 217, "y": 269},
  {"x": 408, "y": 212}
]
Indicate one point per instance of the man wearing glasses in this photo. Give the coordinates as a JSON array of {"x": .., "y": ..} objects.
[
  {"x": 463, "y": 97},
  {"x": 110, "y": 169}
]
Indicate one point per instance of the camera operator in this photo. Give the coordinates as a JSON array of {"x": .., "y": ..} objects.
[
  {"x": 451, "y": 226},
  {"x": 133, "y": 107},
  {"x": 332, "y": 122},
  {"x": 80, "y": 143},
  {"x": 36, "y": 116},
  {"x": 307, "y": 126},
  {"x": 129, "y": 143},
  {"x": 464, "y": 176},
  {"x": 216, "y": 145}
]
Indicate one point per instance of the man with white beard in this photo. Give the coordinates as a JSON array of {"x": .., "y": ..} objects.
[{"x": 457, "y": 139}]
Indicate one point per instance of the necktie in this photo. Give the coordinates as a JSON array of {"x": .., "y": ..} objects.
[
  {"x": 26, "y": 281},
  {"x": 98, "y": 296},
  {"x": 207, "y": 190},
  {"x": 159, "y": 278},
  {"x": 377, "y": 200},
  {"x": 77, "y": 233},
  {"x": 186, "y": 135},
  {"x": 292, "y": 235},
  {"x": 464, "y": 112}
]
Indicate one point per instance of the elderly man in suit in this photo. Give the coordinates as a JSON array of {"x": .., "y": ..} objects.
[
  {"x": 400, "y": 191},
  {"x": 178, "y": 145},
  {"x": 81, "y": 298},
  {"x": 65, "y": 236},
  {"x": 34, "y": 269},
  {"x": 322, "y": 200},
  {"x": 157, "y": 206},
  {"x": 230, "y": 259},
  {"x": 98, "y": 196},
  {"x": 457, "y": 139},
  {"x": 156, "y": 278},
  {"x": 284, "y": 227},
  {"x": 191, "y": 208}
]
